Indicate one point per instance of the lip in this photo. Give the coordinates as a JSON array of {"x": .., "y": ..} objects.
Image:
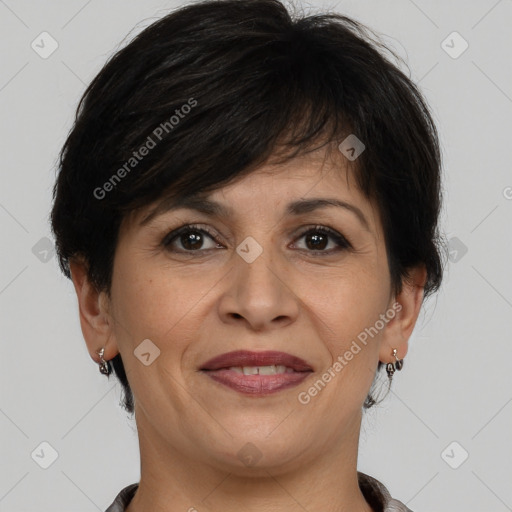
[
  {"x": 256, "y": 385},
  {"x": 248, "y": 358}
]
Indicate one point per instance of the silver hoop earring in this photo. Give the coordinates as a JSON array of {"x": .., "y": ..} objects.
[
  {"x": 397, "y": 365},
  {"x": 104, "y": 366}
]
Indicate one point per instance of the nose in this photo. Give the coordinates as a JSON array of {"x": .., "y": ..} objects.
[{"x": 260, "y": 292}]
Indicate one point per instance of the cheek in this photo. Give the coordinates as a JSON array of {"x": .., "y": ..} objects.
[
  {"x": 350, "y": 310},
  {"x": 353, "y": 302},
  {"x": 159, "y": 303}
]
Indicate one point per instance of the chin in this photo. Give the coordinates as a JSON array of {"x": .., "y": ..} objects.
[{"x": 255, "y": 453}]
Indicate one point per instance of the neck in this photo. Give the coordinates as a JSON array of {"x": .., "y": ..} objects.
[{"x": 171, "y": 480}]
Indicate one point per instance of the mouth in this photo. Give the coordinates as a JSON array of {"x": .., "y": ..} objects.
[{"x": 257, "y": 373}]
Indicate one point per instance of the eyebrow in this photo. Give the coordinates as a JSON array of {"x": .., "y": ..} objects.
[{"x": 216, "y": 209}]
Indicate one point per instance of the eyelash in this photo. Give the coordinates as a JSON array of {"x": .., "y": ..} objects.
[{"x": 341, "y": 241}]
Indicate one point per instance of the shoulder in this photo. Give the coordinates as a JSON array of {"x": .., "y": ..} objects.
[
  {"x": 378, "y": 496},
  {"x": 123, "y": 498}
]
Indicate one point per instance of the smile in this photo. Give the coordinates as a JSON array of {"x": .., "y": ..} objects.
[{"x": 257, "y": 373}]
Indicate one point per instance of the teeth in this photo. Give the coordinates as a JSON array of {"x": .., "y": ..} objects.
[
  {"x": 267, "y": 370},
  {"x": 261, "y": 370}
]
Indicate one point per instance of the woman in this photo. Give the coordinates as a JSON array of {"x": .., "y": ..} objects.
[{"x": 247, "y": 206}]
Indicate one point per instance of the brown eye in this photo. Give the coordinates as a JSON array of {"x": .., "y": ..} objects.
[
  {"x": 317, "y": 239},
  {"x": 190, "y": 238}
]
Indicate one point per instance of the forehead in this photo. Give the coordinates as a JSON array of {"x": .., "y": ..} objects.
[
  {"x": 290, "y": 188},
  {"x": 318, "y": 169},
  {"x": 298, "y": 184}
]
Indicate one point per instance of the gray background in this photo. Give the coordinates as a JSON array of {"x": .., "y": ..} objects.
[{"x": 456, "y": 383}]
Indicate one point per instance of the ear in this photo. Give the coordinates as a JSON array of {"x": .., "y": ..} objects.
[
  {"x": 95, "y": 319},
  {"x": 407, "y": 306}
]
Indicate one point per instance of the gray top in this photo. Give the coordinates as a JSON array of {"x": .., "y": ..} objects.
[{"x": 374, "y": 492}]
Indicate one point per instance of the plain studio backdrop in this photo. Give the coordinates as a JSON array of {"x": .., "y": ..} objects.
[{"x": 440, "y": 441}]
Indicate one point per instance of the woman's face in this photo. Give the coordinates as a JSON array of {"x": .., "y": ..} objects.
[{"x": 264, "y": 280}]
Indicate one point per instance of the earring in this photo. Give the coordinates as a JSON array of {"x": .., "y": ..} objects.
[
  {"x": 104, "y": 366},
  {"x": 397, "y": 365}
]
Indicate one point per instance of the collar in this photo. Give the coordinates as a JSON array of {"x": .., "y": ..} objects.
[{"x": 374, "y": 492}]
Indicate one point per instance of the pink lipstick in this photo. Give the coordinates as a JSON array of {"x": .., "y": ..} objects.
[{"x": 257, "y": 373}]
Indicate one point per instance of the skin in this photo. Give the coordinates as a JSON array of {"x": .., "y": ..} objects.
[{"x": 196, "y": 307}]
